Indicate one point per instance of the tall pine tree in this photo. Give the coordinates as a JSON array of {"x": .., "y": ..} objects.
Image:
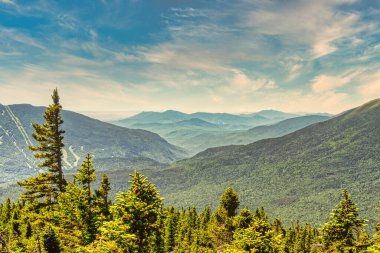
[{"x": 49, "y": 137}]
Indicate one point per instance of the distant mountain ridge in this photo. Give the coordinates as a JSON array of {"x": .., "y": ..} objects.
[
  {"x": 83, "y": 134},
  {"x": 298, "y": 175},
  {"x": 196, "y": 135},
  {"x": 235, "y": 121}
]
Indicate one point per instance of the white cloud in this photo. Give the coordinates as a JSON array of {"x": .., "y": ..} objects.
[
  {"x": 242, "y": 84},
  {"x": 370, "y": 87},
  {"x": 11, "y": 2},
  {"x": 314, "y": 23},
  {"x": 80, "y": 89},
  {"x": 323, "y": 83},
  {"x": 7, "y": 34}
]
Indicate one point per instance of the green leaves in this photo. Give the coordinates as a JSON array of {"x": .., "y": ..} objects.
[
  {"x": 344, "y": 226},
  {"x": 49, "y": 136}
]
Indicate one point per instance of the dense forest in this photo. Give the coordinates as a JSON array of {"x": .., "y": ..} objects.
[{"x": 54, "y": 214}]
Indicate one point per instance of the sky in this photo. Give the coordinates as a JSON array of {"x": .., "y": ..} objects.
[{"x": 113, "y": 57}]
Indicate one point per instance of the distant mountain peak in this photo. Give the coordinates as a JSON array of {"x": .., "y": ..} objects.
[{"x": 195, "y": 122}]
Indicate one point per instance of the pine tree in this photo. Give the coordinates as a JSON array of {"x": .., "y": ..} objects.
[
  {"x": 170, "y": 230},
  {"x": 221, "y": 228},
  {"x": 86, "y": 175},
  {"x": 339, "y": 231},
  {"x": 139, "y": 209},
  {"x": 230, "y": 201},
  {"x": 51, "y": 242},
  {"x": 244, "y": 219},
  {"x": 102, "y": 195},
  {"x": 49, "y": 137}
]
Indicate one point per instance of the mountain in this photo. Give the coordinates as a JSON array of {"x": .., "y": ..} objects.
[
  {"x": 224, "y": 120},
  {"x": 210, "y": 139},
  {"x": 196, "y": 135},
  {"x": 299, "y": 175},
  {"x": 286, "y": 126},
  {"x": 109, "y": 144},
  {"x": 168, "y": 116},
  {"x": 273, "y": 114},
  {"x": 198, "y": 131},
  {"x": 196, "y": 122}
]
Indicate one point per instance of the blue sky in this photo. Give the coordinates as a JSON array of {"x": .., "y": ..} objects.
[{"x": 218, "y": 56}]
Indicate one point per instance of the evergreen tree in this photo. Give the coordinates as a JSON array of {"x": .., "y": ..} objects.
[
  {"x": 230, "y": 201},
  {"x": 139, "y": 209},
  {"x": 170, "y": 229},
  {"x": 339, "y": 232},
  {"x": 221, "y": 227},
  {"x": 86, "y": 175},
  {"x": 102, "y": 195},
  {"x": 49, "y": 137},
  {"x": 51, "y": 242},
  {"x": 244, "y": 219}
]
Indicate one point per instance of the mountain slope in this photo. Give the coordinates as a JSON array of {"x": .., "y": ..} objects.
[
  {"x": 299, "y": 175},
  {"x": 83, "y": 134}
]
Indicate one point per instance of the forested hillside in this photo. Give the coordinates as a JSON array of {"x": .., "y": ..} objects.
[{"x": 295, "y": 176}]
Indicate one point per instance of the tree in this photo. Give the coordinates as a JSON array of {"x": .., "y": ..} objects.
[
  {"x": 86, "y": 175},
  {"x": 50, "y": 241},
  {"x": 339, "y": 232},
  {"x": 139, "y": 209},
  {"x": 77, "y": 210},
  {"x": 49, "y": 137},
  {"x": 170, "y": 229},
  {"x": 102, "y": 195},
  {"x": 221, "y": 227},
  {"x": 244, "y": 219},
  {"x": 230, "y": 201}
]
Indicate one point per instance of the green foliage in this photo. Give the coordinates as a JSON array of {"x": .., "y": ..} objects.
[
  {"x": 221, "y": 227},
  {"x": 230, "y": 201},
  {"x": 138, "y": 223},
  {"x": 102, "y": 195},
  {"x": 51, "y": 242},
  {"x": 86, "y": 174},
  {"x": 343, "y": 229},
  {"x": 49, "y": 136},
  {"x": 138, "y": 210}
]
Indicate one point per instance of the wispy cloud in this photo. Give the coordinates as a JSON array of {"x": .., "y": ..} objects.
[
  {"x": 370, "y": 87},
  {"x": 217, "y": 56},
  {"x": 7, "y": 34},
  {"x": 323, "y": 83},
  {"x": 11, "y": 2}
]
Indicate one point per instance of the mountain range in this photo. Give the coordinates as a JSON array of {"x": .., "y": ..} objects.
[
  {"x": 299, "y": 175},
  {"x": 225, "y": 120},
  {"x": 198, "y": 131}
]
